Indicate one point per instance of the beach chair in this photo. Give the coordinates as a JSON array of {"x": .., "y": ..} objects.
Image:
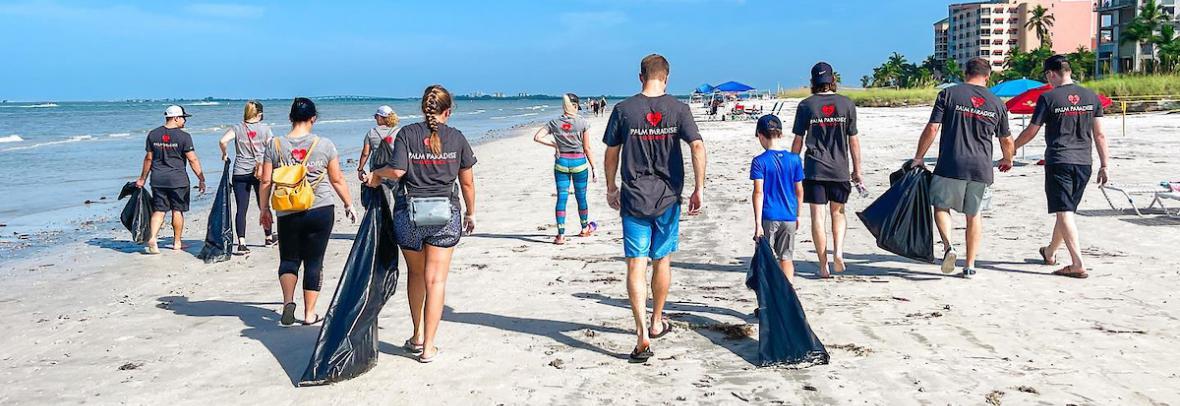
[
  {"x": 1172, "y": 195},
  {"x": 1130, "y": 191}
]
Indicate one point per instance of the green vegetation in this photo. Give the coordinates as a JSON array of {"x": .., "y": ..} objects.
[
  {"x": 1153, "y": 26},
  {"x": 1137, "y": 86},
  {"x": 875, "y": 97}
]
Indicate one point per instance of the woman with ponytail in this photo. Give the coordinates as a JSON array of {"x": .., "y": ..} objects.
[
  {"x": 250, "y": 138},
  {"x": 571, "y": 143},
  {"x": 429, "y": 157}
]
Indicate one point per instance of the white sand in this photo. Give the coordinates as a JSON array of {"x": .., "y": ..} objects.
[{"x": 899, "y": 332}]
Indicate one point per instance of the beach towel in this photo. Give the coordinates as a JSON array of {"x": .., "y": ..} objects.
[
  {"x": 784, "y": 337},
  {"x": 901, "y": 219},
  {"x": 219, "y": 232},
  {"x": 137, "y": 214},
  {"x": 347, "y": 344}
]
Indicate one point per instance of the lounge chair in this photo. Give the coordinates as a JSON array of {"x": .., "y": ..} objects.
[
  {"x": 1173, "y": 195},
  {"x": 1129, "y": 191}
]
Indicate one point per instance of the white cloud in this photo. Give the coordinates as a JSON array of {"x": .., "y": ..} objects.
[{"x": 225, "y": 10}]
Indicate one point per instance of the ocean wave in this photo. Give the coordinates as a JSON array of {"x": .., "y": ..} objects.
[
  {"x": 71, "y": 139},
  {"x": 515, "y": 116},
  {"x": 39, "y": 106},
  {"x": 119, "y": 135},
  {"x": 480, "y": 111},
  {"x": 204, "y": 103},
  {"x": 11, "y": 138},
  {"x": 536, "y": 107}
]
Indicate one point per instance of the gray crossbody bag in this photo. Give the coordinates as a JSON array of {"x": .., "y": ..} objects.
[{"x": 429, "y": 211}]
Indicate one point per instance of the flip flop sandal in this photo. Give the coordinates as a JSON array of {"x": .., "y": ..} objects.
[
  {"x": 318, "y": 320},
  {"x": 1048, "y": 260},
  {"x": 426, "y": 360},
  {"x": 1071, "y": 274},
  {"x": 559, "y": 241},
  {"x": 288, "y": 318},
  {"x": 639, "y": 357},
  {"x": 666, "y": 328},
  {"x": 412, "y": 348},
  {"x": 150, "y": 250},
  {"x": 592, "y": 228}
]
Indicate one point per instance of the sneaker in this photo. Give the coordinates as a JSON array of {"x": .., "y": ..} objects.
[
  {"x": 948, "y": 260},
  {"x": 242, "y": 250},
  {"x": 271, "y": 241},
  {"x": 967, "y": 273}
]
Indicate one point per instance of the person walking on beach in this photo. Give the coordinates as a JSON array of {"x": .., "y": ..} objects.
[
  {"x": 573, "y": 164},
  {"x": 969, "y": 116},
  {"x": 169, "y": 150},
  {"x": 250, "y": 138},
  {"x": 384, "y": 132},
  {"x": 778, "y": 192},
  {"x": 826, "y": 123},
  {"x": 429, "y": 158},
  {"x": 643, "y": 136},
  {"x": 303, "y": 231},
  {"x": 1070, "y": 115}
]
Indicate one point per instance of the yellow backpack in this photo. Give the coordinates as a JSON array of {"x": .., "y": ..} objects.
[{"x": 292, "y": 191}]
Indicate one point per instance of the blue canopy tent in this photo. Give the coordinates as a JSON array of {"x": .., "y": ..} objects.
[
  {"x": 705, "y": 88},
  {"x": 732, "y": 86},
  {"x": 1013, "y": 88}
]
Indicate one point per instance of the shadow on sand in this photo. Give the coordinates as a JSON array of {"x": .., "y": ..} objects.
[{"x": 560, "y": 331}]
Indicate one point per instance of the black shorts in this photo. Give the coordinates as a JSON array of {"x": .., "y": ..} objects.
[
  {"x": 824, "y": 191},
  {"x": 170, "y": 199},
  {"x": 1064, "y": 186}
]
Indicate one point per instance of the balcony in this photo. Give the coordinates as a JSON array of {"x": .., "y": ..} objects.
[{"x": 1107, "y": 5}]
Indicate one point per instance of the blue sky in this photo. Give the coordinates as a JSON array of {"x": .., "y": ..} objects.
[{"x": 111, "y": 50}]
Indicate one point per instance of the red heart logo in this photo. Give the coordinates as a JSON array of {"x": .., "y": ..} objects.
[
  {"x": 1073, "y": 98},
  {"x": 299, "y": 154},
  {"x": 567, "y": 126},
  {"x": 829, "y": 110},
  {"x": 654, "y": 118},
  {"x": 166, "y": 138},
  {"x": 251, "y": 134},
  {"x": 389, "y": 140},
  {"x": 977, "y": 101},
  {"x": 426, "y": 141}
]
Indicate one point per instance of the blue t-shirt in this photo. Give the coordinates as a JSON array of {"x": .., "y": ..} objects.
[{"x": 779, "y": 171}]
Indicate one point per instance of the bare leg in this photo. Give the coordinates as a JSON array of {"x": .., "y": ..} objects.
[
  {"x": 1069, "y": 233},
  {"x": 788, "y": 267},
  {"x": 416, "y": 290},
  {"x": 839, "y": 227},
  {"x": 177, "y": 230},
  {"x": 974, "y": 235},
  {"x": 818, "y": 236},
  {"x": 637, "y": 293},
  {"x": 309, "y": 299},
  {"x": 287, "y": 282},
  {"x": 661, "y": 280},
  {"x": 942, "y": 219},
  {"x": 1057, "y": 240},
  {"x": 438, "y": 264},
  {"x": 156, "y": 222}
]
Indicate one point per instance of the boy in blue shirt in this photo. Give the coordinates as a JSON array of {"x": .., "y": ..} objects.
[{"x": 778, "y": 192}]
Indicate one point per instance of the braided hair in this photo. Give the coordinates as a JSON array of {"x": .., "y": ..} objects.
[{"x": 435, "y": 100}]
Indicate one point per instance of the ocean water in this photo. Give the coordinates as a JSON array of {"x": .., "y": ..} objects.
[{"x": 56, "y": 156}]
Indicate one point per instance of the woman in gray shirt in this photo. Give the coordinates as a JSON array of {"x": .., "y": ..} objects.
[{"x": 250, "y": 138}]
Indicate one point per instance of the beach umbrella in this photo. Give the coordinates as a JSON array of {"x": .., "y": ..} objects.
[
  {"x": 705, "y": 88},
  {"x": 1015, "y": 87},
  {"x": 732, "y": 86},
  {"x": 1026, "y": 103}
]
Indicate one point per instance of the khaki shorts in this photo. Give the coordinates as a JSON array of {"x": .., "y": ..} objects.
[
  {"x": 964, "y": 196},
  {"x": 781, "y": 235}
]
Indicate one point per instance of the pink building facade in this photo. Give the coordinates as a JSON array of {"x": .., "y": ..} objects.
[{"x": 990, "y": 29}]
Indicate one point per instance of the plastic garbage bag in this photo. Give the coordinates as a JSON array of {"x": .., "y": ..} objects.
[
  {"x": 219, "y": 235},
  {"x": 902, "y": 219},
  {"x": 137, "y": 214},
  {"x": 784, "y": 337},
  {"x": 347, "y": 344}
]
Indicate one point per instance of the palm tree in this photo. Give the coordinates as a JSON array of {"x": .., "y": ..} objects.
[
  {"x": 865, "y": 81},
  {"x": 951, "y": 71},
  {"x": 1143, "y": 28},
  {"x": 1041, "y": 22},
  {"x": 1082, "y": 60},
  {"x": 893, "y": 68},
  {"x": 1168, "y": 44}
]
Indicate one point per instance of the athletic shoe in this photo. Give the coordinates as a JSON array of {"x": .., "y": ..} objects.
[
  {"x": 968, "y": 273},
  {"x": 948, "y": 260}
]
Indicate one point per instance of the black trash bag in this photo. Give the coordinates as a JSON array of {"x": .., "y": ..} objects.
[
  {"x": 902, "y": 219},
  {"x": 347, "y": 344},
  {"x": 137, "y": 214},
  {"x": 219, "y": 235},
  {"x": 784, "y": 337}
]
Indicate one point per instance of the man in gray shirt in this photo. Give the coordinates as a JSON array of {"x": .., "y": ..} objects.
[{"x": 169, "y": 149}]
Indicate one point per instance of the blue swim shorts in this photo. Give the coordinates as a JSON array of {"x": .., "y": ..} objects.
[{"x": 653, "y": 238}]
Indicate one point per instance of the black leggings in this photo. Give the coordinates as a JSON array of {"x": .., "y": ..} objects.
[
  {"x": 303, "y": 238},
  {"x": 242, "y": 186}
]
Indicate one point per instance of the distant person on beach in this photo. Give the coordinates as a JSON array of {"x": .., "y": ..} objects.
[
  {"x": 303, "y": 234},
  {"x": 826, "y": 123},
  {"x": 429, "y": 158},
  {"x": 1070, "y": 115},
  {"x": 573, "y": 165},
  {"x": 250, "y": 138},
  {"x": 169, "y": 150},
  {"x": 384, "y": 132},
  {"x": 643, "y": 135},
  {"x": 778, "y": 192},
  {"x": 969, "y": 117}
]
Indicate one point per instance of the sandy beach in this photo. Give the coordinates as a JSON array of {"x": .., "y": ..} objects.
[{"x": 529, "y": 322}]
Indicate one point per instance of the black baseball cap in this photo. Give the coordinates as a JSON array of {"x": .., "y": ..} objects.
[
  {"x": 768, "y": 123},
  {"x": 822, "y": 74},
  {"x": 1056, "y": 63}
]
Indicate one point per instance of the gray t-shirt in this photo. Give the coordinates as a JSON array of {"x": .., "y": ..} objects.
[
  {"x": 374, "y": 138},
  {"x": 1068, "y": 113},
  {"x": 429, "y": 174},
  {"x": 169, "y": 165},
  {"x": 291, "y": 151},
  {"x": 970, "y": 116},
  {"x": 567, "y": 133},
  {"x": 250, "y": 140},
  {"x": 826, "y": 120}
]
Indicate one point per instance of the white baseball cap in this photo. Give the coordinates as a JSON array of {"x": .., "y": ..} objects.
[
  {"x": 175, "y": 111},
  {"x": 384, "y": 111}
]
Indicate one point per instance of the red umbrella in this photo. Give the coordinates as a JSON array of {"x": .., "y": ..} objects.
[{"x": 1026, "y": 102}]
